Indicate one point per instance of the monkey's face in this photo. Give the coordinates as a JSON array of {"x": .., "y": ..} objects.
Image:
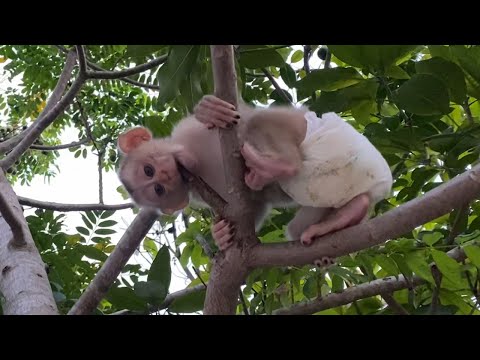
[
  {"x": 150, "y": 174},
  {"x": 152, "y": 179}
]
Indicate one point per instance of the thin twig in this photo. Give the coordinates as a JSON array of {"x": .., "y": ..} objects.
[
  {"x": 105, "y": 74},
  {"x": 276, "y": 86},
  {"x": 59, "y": 147},
  {"x": 71, "y": 207},
  {"x": 244, "y": 304},
  {"x": 468, "y": 112},
  {"x": 455, "y": 230},
  {"x": 82, "y": 62},
  {"x": 307, "y": 51}
]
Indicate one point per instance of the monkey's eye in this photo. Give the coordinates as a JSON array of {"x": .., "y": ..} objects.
[
  {"x": 159, "y": 189},
  {"x": 149, "y": 171}
]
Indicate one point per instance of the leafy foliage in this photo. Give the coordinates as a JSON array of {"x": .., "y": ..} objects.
[{"x": 417, "y": 104}]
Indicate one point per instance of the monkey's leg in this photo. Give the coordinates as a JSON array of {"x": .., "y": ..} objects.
[
  {"x": 350, "y": 214},
  {"x": 263, "y": 169},
  {"x": 304, "y": 217},
  {"x": 222, "y": 233}
]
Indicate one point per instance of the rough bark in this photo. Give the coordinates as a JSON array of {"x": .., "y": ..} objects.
[
  {"x": 229, "y": 267},
  {"x": 24, "y": 286}
]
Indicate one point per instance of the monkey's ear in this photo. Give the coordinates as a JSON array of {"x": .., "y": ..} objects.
[
  {"x": 131, "y": 139},
  {"x": 184, "y": 157}
]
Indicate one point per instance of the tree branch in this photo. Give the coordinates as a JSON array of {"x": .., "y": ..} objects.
[
  {"x": 82, "y": 62},
  {"x": 276, "y": 86},
  {"x": 307, "y": 51},
  {"x": 43, "y": 122},
  {"x": 11, "y": 216},
  {"x": 394, "y": 305},
  {"x": 24, "y": 286},
  {"x": 105, "y": 74},
  {"x": 394, "y": 223},
  {"x": 52, "y": 101},
  {"x": 468, "y": 112},
  {"x": 99, "y": 68},
  {"x": 71, "y": 207},
  {"x": 115, "y": 263},
  {"x": 455, "y": 230},
  {"x": 229, "y": 268},
  {"x": 59, "y": 147},
  {"x": 388, "y": 284}
]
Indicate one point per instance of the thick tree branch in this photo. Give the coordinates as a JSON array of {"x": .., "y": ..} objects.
[
  {"x": 52, "y": 101},
  {"x": 229, "y": 267},
  {"x": 390, "y": 225},
  {"x": 59, "y": 147},
  {"x": 12, "y": 217},
  {"x": 42, "y": 123},
  {"x": 24, "y": 286},
  {"x": 105, "y": 277},
  {"x": 71, "y": 207}
]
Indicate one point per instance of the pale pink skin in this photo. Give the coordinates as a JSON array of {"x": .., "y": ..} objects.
[{"x": 262, "y": 170}]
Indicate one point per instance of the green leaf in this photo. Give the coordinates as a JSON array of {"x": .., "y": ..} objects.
[
  {"x": 107, "y": 223},
  {"x": 190, "y": 88},
  {"x": 473, "y": 253},
  {"x": 432, "y": 238},
  {"x": 450, "y": 73},
  {"x": 189, "y": 303},
  {"x": 288, "y": 75},
  {"x": 107, "y": 214},
  {"x": 197, "y": 256},
  {"x": 160, "y": 270},
  {"x": 447, "y": 266},
  {"x": 297, "y": 56},
  {"x": 329, "y": 79},
  {"x": 158, "y": 125},
  {"x": 371, "y": 56},
  {"x": 185, "y": 257},
  {"x": 261, "y": 58},
  {"x": 125, "y": 298},
  {"x": 277, "y": 96},
  {"x": 181, "y": 59},
  {"x": 337, "y": 284},
  {"x": 150, "y": 246},
  {"x": 92, "y": 252},
  {"x": 396, "y": 72},
  {"x": 469, "y": 61},
  {"x": 310, "y": 288},
  {"x": 345, "y": 99},
  {"x": 387, "y": 264},
  {"x": 423, "y": 94},
  {"x": 273, "y": 236},
  {"x": 140, "y": 51},
  {"x": 105, "y": 231},
  {"x": 417, "y": 263},
  {"x": 91, "y": 216},
  {"x": 86, "y": 222},
  {"x": 451, "y": 298},
  {"x": 154, "y": 292},
  {"x": 82, "y": 230}
]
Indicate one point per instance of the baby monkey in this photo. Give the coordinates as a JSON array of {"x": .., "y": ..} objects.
[{"x": 322, "y": 164}]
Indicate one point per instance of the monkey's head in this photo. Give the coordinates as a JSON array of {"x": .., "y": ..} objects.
[{"x": 149, "y": 170}]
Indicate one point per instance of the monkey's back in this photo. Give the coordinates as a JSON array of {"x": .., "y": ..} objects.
[{"x": 338, "y": 164}]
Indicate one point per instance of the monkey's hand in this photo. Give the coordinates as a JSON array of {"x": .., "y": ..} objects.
[
  {"x": 214, "y": 112},
  {"x": 222, "y": 233},
  {"x": 264, "y": 169}
]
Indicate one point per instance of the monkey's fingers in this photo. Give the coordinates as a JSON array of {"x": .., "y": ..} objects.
[
  {"x": 214, "y": 114},
  {"x": 325, "y": 261},
  {"x": 222, "y": 233},
  {"x": 215, "y": 100}
]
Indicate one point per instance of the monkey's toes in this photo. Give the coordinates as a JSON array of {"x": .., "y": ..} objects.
[{"x": 325, "y": 261}]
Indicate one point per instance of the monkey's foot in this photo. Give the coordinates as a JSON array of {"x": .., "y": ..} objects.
[
  {"x": 222, "y": 233},
  {"x": 214, "y": 112},
  {"x": 324, "y": 262},
  {"x": 263, "y": 169},
  {"x": 350, "y": 214}
]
